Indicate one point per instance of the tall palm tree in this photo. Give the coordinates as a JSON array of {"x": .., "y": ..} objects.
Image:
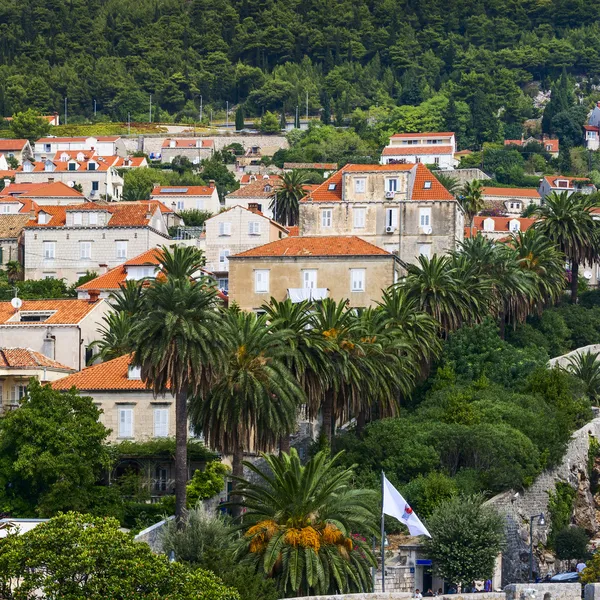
[
  {"x": 285, "y": 202},
  {"x": 471, "y": 200},
  {"x": 181, "y": 261},
  {"x": 253, "y": 401},
  {"x": 178, "y": 347},
  {"x": 586, "y": 367},
  {"x": 567, "y": 221},
  {"x": 449, "y": 182},
  {"x": 538, "y": 255},
  {"x": 301, "y": 526},
  {"x": 129, "y": 297},
  {"x": 13, "y": 270},
  {"x": 115, "y": 337}
]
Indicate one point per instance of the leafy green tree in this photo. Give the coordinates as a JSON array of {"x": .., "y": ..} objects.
[
  {"x": 467, "y": 536},
  {"x": 239, "y": 118},
  {"x": 195, "y": 217},
  {"x": 52, "y": 453},
  {"x": 302, "y": 526},
  {"x": 571, "y": 544},
  {"x": 285, "y": 203},
  {"x": 81, "y": 556},
  {"x": 29, "y": 125},
  {"x": 269, "y": 123},
  {"x": 176, "y": 343},
  {"x": 215, "y": 169},
  {"x": 567, "y": 221},
  {"x": 206, "y": 484}
]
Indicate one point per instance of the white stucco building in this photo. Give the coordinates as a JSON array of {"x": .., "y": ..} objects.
[{"x": 429, "y": 148}]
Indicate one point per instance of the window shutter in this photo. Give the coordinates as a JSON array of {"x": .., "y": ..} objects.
[
  {"x": 161, "y": 422},
  {"x": 221, "y": 228}
]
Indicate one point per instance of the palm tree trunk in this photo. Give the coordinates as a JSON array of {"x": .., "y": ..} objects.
[
  {"x": 574, "y": 281},
  {"x": 181, "y": 468},
  {"x": 237, "y": 471},
  {"x": 284, "y": 444},
  {"x": 328, "y": 415},
  {"x": 361, "y": 421},
  {"x": 502, "y": 325}
]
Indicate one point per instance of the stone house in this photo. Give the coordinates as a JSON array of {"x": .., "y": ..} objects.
[
  {"x": 61, "y": 330},
  {"x": 65, "y": 242},
  {"x": 550, "y": 145},
  {"x": 401, "y": 208},
  {"x": 339, "y": 267},
  {"x": 513, "y": 200},
  {"x": 192, "y": 197},
  {"x": 233, "y": 231},
  {"x": 260, "y": 190},
  {"x": 97, "y": 175},
  {"x": 194, "y": 149},
  {"x": 432, "y": 148},
  {"x": 102, "y": 145},
  {"x": 18, "y": 366},
  {"x": 562, "y": 183},
  {"x": 19, "y": 196},
  {"x": 11, "y": 237},
  {"x": 19, "y": 149},
  {"x": 498, "y": 228}
]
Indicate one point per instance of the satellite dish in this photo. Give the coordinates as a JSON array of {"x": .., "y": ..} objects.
[
  {"x": 587, "y": 274},
  {"x": 16, "y": 303},
  {"x": 71, "y": 184}
]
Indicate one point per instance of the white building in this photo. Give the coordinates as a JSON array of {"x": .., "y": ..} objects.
[
  {"x": 192, "y": 197},
  {"x": 498, "y": 228},
  {"x": 561, "y": 183},
  {"x": 194, "y": 149},
  {"x": 592, "y": 129},
  {"x": 430, "y": 148},
  {"x": 19, "y": 149},
  {"x": 22, "y": 197},
  {"x": 68, "y": 241},
  {"x": 260, "y": 190},
  {"x": 513, "y": 200},
  {"x": 102, "y": 145}
]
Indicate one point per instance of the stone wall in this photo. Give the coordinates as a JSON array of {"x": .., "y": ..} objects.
[
  {"x": 391, "y": 595},
  {"x": 543, "y": 591},
  {"x": 518, "y": 507},
  {"x": 563, "y": 361},
  {"x": 466, "y": 175}
]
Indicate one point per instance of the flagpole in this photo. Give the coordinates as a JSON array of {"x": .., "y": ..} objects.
[{"x": 382, "y": 535}]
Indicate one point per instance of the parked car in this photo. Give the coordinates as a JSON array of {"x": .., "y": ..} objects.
[{"x": 565, "y": 578}]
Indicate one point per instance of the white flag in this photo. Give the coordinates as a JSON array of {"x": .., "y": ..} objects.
[{"x": 396, "y": 506}]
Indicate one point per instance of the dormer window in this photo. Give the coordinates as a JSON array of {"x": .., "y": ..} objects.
[
  {"x": 72, "y": 166},
  {"x": 64, "y": 157},
  {"x": 35, "y": 316},
  {"x": 514, "y": 225},
  {"x": 488, "y": 225},
  {"x": 91, "y": 166},
  {"x": 134, "y": 372},
  {"x": 49, "y": 166},
  {"x": 331, "y": 187},
  {"x": 427, "y": 185},
  {"x": 43, "y": 218},
  {"x": 27, "y": 167},
  {"x": 77, "y": 218},
  {"x": 562, "y": 183},
  {"x": 80, "y": 156},
  {"x": 268, "y": 188}
]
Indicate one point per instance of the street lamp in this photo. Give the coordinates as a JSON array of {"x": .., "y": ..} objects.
[{"x": 541, "y": 522}]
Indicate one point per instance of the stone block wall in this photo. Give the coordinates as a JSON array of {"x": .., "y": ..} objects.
[
  {"x": 543, "y": 591},
  {"x": 397, "y": 579}
]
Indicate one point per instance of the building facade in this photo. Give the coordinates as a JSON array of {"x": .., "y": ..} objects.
[
  {"x": 511, "y": 201},
  {"x": 11, "y": 238},
  {"x": 192, "y": 197},
  {"x": 260, "y": 190},
  {"x": 20, "y": 197},
  {"x": 339, "y": 267},
  {"x": 401, "y": 208},
  {"x": 102, "y": 145},
  {"x": 561, "y": 183},
  {"x": 19, "y": 149},
  {"x": 67, "y": 242},
  {"x": 194, "y": 149},
  {"x": 429, "y": 148}
]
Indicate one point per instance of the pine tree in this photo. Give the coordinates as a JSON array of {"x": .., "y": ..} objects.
[
  {"x": 451, "y": 119},
  {"x": 239, "y": 118},
  {"x": 326, "y": 112}
]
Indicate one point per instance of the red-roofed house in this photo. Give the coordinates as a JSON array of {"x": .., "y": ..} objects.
[
  {"x": 497, "y": 228},
  {"x": 512, "y": 200},
  {"x": 67, "y": 241},
  {"x": 562, "y": 183},
  {"x": 551, "y": 145},
  {"x": 55, "y": 193},
  {"x": 429, "y": 148},
  {"x": 189, "y": 197},
  {"x": 194, "y": 149},
  {"x": 60, "y": 330},
  {"x": 19, "y": 149},
  {"x": 18, "y": 366},
  {"x": 592, "y": 129},
  {"x": 301, "y": 268},
  {"x": 259, "y": 189},
  {"x": 110, "y": 145},
  {"x": 401, "y": 208}
]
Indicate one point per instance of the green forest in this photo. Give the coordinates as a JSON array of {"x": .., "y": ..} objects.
[{"x": 481, "y": 61}]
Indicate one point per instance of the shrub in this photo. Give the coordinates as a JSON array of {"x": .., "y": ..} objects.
[{"x": 571, "y": 544}]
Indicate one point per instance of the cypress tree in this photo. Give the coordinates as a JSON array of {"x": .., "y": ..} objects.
[{"x": 239, "y": 118}]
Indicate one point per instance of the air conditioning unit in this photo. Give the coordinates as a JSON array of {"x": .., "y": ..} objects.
[
  {"x": 390, "y": 194},
  {"x": 426, "y": 230},
  {"x": 390, "y": 229}
]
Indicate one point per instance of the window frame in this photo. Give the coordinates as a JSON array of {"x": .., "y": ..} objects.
[
  {"x": 362, "y": 280},
  {"x": 266, "y": 274},
  {"x": 326, "y": 217}
]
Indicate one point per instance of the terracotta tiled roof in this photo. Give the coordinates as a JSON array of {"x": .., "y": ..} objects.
[
  {"x": 426, "y": 134},
  {"x": 182, "y": 190},
  {"x": 513, "y": 142},
  {"x": 7, "y": 174},
  {"x": 500, "y": 224},
  {"x": 187, "y": 143},
  {"x": 294, "y": 231},
  {"x": 134, "y": 161},
  {"x": 256, "y": 189},
  {"x": 75, "y": 153},
  {"x": 109, "y": 375},
  {"x": 113, "y": 278},
  {"x": 23, "y": 358},
  {"x": 551, "y": 180},
  {"x": 511, "y": 192},
  {"x": 26, "y": 204},
  {"x": 591, "y": 128},
  {"x": 123, "y": 214},
  {"x": 256, "y": 212},
  {"x": 416, "y": 150},
  {"x": 57, "y": 189},
  {"x": 68, "y": 312},
  {"x": 335, "y": 245},
  {"x": 70, "y": 140},
  {"x": 425, "y": 186},
  {"x": 12, "y": 225},
  {"x": 315, "y": 166},
  {"x": 552, "y": 143},
  {"x": 7, "y": 145},
  {"x": 101, "y": 164},
  {"x": 463, "y": 153}
]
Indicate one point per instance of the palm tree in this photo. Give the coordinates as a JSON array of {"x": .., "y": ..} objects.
[
  {"x": 181, "y": 261},
  {"x": 449, "y": 182},
  {"x": 471, "y": 200},
  {"x": 538, "y": 255},
  {"x": 13, "y": 270},
  {"x": 301, "y": 526},
  {"x": 529, "y": 210},
  {"x": 115, "y": 337},
  {"x": 253, "y": 401},
  {"x": 567, "y": 221},
  {"x": 178, "y": 347},
  {"x": 129, "y": 297},
  {"x": 136, "y": 193},
  {"x": 285, "y": 203},
  {"x": 586, "y": 367}
]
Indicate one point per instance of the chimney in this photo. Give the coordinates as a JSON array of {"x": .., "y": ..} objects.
[
  {"x": 32, "y": 213},
  {"x": 211, "y": 184},
  {"x": 149, "y": 213},
  {"x": 253, "y": 207},
  {"x": 50, "y": 179},
  {"x": 103, "y": 268},
  {"x": 7, "y": 182},
  {"x": 94, "y": 296}
]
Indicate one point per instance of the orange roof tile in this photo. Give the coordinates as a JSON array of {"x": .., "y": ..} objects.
[
  {"x": 511, "y": 192},
  {"x": 315, "y": 166},
  {"x": 256, "y": 189},
  {"x": 416, "y": 150},
  {"x": 27, "y": 204},
  {"x": 23, "y": 358},
  {"x": 57, "y": 189},
  {"x": 500, "y": 224},
  {"x": 7, "y": 145},
  {"x": 334, "y": 245},
  {"x": 426, "y": 134},
  {"x": 183, "y": 190},
  {"x": 65, "y": 140},
  {"x": 425, "y": 186},
  {"x": 67, "y": 312},
  {"x": 187, "y": 143},
  {"x": 551, "y": 180},
  {"x": 294, "y": 231},
  {"x": 109, "y": 375}
]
